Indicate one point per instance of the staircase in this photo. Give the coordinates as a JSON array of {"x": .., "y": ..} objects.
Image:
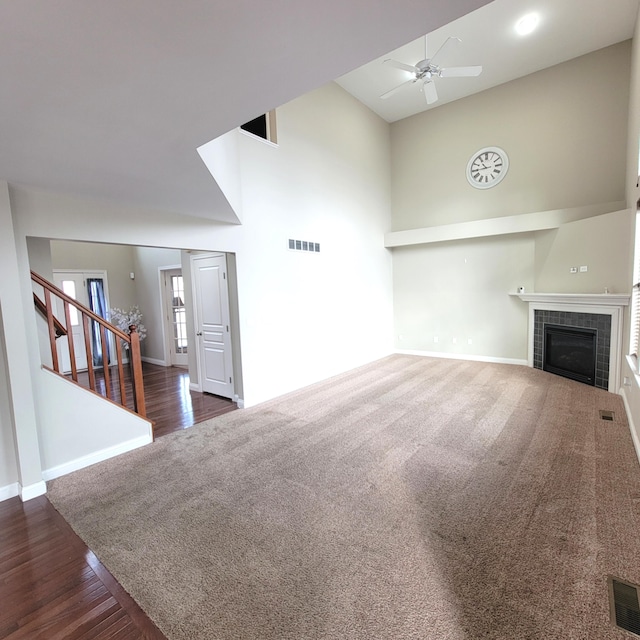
[{"x": 117, "y": 381}]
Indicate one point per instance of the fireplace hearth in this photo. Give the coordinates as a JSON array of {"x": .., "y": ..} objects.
[{"x": 570, "y": 352}]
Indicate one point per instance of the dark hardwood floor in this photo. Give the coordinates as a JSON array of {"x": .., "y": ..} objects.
[
  {"x": 171, "y": 405},
  {"x": 52, "y": 587}
]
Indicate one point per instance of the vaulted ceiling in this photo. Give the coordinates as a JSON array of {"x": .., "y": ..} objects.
[
  {"x": 111, "y": 99},
  {"x": 566, "y": 29}
]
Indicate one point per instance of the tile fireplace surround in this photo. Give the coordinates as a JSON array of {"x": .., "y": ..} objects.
[{"x": 602, "y": 311}]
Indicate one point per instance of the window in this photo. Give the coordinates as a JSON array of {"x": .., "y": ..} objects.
[
  {"x": 634, "y": 343},
  {"x": 69, "y": 287},
  {"x": 263, "y": 126},
  {"x": 179, "y": 316}
]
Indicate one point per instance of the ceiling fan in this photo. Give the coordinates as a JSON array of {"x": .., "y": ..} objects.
[{"x": 425, "y": 71}]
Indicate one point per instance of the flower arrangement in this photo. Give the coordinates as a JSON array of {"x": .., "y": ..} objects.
[{"x": 124, "y": 319}]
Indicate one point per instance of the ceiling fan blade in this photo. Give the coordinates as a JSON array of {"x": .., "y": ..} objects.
[
  {"x": 389, "y": 93},
  {"x": 401, "y": 65},
  {"x": 430, "y": 92},
  {"x": 460, "y": 72},
  {"x": 444, "y": 44}
]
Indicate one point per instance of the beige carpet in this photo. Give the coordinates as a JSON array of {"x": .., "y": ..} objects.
[{"x": 410, "y": 498}]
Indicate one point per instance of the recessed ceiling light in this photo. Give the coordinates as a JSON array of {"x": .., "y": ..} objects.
[{"x": 527, "y": 24}]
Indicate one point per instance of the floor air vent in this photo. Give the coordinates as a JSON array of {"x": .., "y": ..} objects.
[
  {"x": 607, "y": 415},
  {"x": 624, "y": 605}
]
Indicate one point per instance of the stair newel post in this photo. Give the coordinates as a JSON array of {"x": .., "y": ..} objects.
[{"x": 136, "y": 370}]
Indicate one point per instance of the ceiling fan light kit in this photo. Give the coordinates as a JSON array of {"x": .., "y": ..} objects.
[{"x": 425, "y": 71}]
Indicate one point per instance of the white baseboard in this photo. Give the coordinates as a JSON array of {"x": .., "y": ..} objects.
[
  {"x": 32, "y": 490},
  {"x": 160, "y": 363},
  {"x": 239, "y": 402},
  {"x": 461, "y": 356},
  {"x": 98, "y": 456},
  {"x": 632, "y": 426},
  {"x": 194, "y": 386},
  {"x": 10, "y": 491}
]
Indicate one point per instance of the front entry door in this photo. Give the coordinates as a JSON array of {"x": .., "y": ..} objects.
[
  {"x": 211, "y": 298},
  {"x": 73, "y": 284}
]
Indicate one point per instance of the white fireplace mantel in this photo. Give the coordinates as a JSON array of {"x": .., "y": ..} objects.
[
  {"x": 611, "y": 304},
  {"x": 599, "y": 299}
]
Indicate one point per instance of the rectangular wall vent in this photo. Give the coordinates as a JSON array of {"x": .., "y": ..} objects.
[
  {"x": 607, "y": 415},
  {"x": 624, "y": 605},
  {"x": 304, "y": 245}
]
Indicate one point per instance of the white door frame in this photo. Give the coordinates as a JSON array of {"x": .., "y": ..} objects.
[
  {"x": 166, "y": 329},
  {"x": 196, "y": 349}
]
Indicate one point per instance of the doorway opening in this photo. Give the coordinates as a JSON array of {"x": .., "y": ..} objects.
[{"x": 175, "y": 317}]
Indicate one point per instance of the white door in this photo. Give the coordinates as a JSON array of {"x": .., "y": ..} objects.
[
  {"x": 72, "y": 283},
  {"x": 176, "y": 318},
  {"x": 211, "y": 300}
]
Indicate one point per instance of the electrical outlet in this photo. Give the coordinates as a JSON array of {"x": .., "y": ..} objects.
[
  {"x": 435, "y": 338},
  {"x": 584, "y": 269},
  {"x": 469, "y": 341},
  {"x": 573, "y": 269},
  {"x": 454, "y": 340}
]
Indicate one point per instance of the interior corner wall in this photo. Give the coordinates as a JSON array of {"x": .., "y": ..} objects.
[
  {"x": 192, "y": 358},
  {"x": 116, "y": 260},
  {"x": 39, "y": 252},
  {"x": 599, "y": 243},
  {"x": 148, "y": 297},
  {"x": 21, "y": 351},
  {"x": 327, "y": 182},
  {"x": 631, "y": 385},
  {"x": 563, "y": 128},
  {"x": 452, "y": 298},
  {"x": 8, "y": 462}
]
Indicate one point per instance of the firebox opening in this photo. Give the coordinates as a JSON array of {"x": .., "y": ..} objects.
[{"x": 570, "y": 352}]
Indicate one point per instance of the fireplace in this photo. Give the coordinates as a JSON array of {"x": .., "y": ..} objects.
[
  {"x": 570, "y": 352},
  {"x": 597, "y": 311}
]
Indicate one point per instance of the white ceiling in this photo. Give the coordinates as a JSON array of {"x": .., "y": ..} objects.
[
  {"x": 111, "y": 98},
  {"x": 567, "y": 29}
]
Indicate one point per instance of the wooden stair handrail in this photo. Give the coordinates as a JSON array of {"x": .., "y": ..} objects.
[
  {"x": 85, "y": 310},
  {"x": 61, "y": 330},
  {"x": 132, "y": 340}
]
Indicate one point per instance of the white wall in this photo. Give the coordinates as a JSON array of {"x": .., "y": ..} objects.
[
  {"x": 8, "y": 465},
  {"x": 79, "y": 427},
  {"x": 564, "y": 129},
  {"x": 21, "y": 349},
  {"x": 147, "y": 264},
  {"x": 116, "y": 260},
  {"x": 631, "y": 388},
  {"x": 545, "y": 122},
  {"x": 459, "y": 291},
  {"x": 598, "y": 243},
  {"x": 312, "y": 315}
]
